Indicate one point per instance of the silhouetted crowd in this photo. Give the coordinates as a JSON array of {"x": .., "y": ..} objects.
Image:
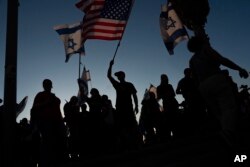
[{"x": 93, "y": 127}]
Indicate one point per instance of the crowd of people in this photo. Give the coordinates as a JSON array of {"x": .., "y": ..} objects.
[{"x": 212, "y": 102}]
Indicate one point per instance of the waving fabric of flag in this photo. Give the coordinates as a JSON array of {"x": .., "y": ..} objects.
[
  {"x": 71, "y": 37},
  {"x": 104, "y": 19},
  {"x": 172, "y": 29},
  {"x": 83, "y": 86}
]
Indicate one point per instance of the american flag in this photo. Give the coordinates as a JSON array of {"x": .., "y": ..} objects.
[{"x": 104, "y": 19}]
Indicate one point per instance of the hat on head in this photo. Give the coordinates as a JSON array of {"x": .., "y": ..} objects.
[{"x": 120, "y": 73}]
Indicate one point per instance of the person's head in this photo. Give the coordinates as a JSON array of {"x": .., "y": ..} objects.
[
  {"x": 164, "y": 79},
  {"x": 188, "y": 72},
  {"x": 120, "y": 75},
  {"x": 105, "y": 98},
  {"x": 73, "y": 100},
  {"x": 24, "y": 121},
  {"x": 1, "y": 101},
  {"x": 47, "y": 85},
  {"x": 94, "y": 92},
  {"x": 195, "y": 44}
]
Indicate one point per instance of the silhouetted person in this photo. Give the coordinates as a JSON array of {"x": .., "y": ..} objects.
[
  {"x": 194, "y": 107},
  {"x": 107, "y": 111},
  {"x": 72, "y": 119},
  {"x": 126, "y": 121},
  {"x": 150, "y": 118},
  {"x": 214, "y": 85},
  {"x": 85, "y": 132},
  {"x": 96, "y": 120},
  {"x": 47, "y": 118},
  {"x": 166, "y": 92},
  {"x": 244, "y": 99},
  {"x": 109, "y": 136}
]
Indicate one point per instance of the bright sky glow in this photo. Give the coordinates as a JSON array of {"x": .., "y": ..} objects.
[{"x": 142, "y": 54}]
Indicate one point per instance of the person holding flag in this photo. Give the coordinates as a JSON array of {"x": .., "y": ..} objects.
[
  {"x": 126, "y": 121},
  {"x": 104, "y": 19}
]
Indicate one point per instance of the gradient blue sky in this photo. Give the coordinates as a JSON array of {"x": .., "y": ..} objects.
[{"x": 142, "y": 54}]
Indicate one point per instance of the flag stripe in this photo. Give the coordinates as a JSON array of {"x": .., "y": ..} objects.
[
  {"x": 71, "y": 37},
  {"x": 105, "y": 19},
  {"x": 68, "y": 30},
  {"x": 90, "y": 5},
  {"x": 107, "y": 32},
  {"x": 101, "y": 34},
  {"x": 177, "y": 34},
  {"x": 84, "y": 5},
  {"x": 172, "y": 29}
]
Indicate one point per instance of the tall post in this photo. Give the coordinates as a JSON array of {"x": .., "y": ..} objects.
[
  {"x": 79, "y": 67},
  {"x": 10, "y": 86}
]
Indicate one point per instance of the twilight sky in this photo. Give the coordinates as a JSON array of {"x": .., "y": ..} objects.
[{"x": 142, "y": 54}]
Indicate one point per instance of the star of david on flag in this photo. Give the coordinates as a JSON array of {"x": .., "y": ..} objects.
[
  {"x": 172, "y": 29},
  {"x": 71, "y": 37}
]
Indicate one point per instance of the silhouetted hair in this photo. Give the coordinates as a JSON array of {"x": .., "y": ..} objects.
[
  {"x": 164, "y": 78},
  {"x": 94, "y": 91},
  {"x": 187, "y": 71},
  {"x": 47, "y": 83},
  {"x": 74, "y": 99}
]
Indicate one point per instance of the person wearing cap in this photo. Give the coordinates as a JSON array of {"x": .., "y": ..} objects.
[{"x": 126, "y": 120}]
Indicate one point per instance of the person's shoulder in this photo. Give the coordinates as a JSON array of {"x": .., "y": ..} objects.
[
  {"x": 39, "y": 93},
  {"x": 182, "y": 80},
  {"x": 129, "y": 84}
]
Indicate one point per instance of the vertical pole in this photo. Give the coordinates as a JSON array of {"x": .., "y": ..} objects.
[
  {"x": 10, "y": 86},
  {"x": 118, "y": 45},
  {"x": 79, "y": 68}
]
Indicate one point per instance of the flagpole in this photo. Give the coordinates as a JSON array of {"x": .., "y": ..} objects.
[
  {"x": 119, "y": 43},
  {"x": 79, "y": 70}
]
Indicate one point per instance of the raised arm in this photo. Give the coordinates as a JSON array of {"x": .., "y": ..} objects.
[
  {"x": 228, "y": 63},
  {"x": 109, "y": 74}
]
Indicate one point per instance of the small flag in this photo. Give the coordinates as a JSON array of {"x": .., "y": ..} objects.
[
  {"x": 83, "y": 86},
  {"x": 21, "y": 106},
  {"x": 71, "y": 37},
  {"x": 85, "y": 75},
  {"x": 172, "y": 29},
  {"x": 104, "y": 19},
  {"x": 153, "y": 89}
]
